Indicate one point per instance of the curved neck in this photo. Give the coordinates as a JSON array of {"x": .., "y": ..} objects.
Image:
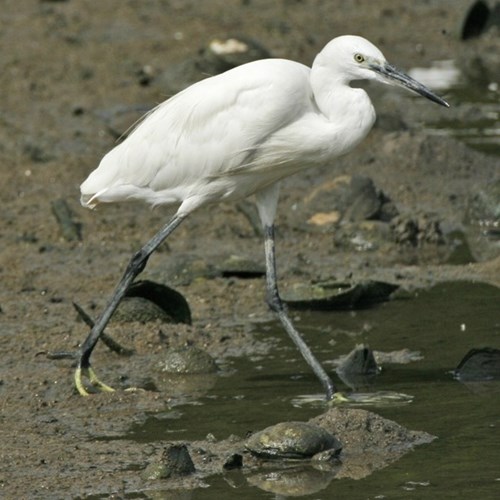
[
  {"x": 348, "y": 110},
  {"x": 332, "y": 92}
]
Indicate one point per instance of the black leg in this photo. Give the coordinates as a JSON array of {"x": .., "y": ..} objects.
[
  {"x": 135, "y": 266},
  {"x": 276, "y": 304}
]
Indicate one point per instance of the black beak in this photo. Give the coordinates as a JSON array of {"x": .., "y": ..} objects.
[{"x": 393, "y": 75}]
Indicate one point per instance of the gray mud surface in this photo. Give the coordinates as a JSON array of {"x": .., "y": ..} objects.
[{"x": 75, "y": 73}]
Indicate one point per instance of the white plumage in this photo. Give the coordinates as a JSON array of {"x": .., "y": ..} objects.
[{"x": 230, "y": 135}]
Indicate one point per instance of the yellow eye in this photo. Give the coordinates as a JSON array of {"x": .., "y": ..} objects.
[{"x": 359, "y": 58}]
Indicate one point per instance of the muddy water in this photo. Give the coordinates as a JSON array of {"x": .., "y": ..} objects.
[{"x": 442, "y": 324}]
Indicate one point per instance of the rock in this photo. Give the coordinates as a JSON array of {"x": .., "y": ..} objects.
[
  {"x": 188, "y": 360},
  {"x": 348, "y": 198},
  {"x": 479, "y": 365},
  {"x": 417, "y": 230},
  {"x": 139, "y": 309},
  {"x": 364, "y": 431},
  {"x": 151, "y": 301},
  {"x": 175, "y": 462},
  {"x": 358, "y": 369},
  {"x": 334, "y": 295}
]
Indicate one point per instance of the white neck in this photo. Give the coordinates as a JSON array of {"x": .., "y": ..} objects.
[{"x": 349, "y": 110}]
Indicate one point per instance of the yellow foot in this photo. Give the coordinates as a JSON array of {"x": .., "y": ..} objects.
[
  {"x": 93, "y": 380},
  {"x": 337, "y": 398}
]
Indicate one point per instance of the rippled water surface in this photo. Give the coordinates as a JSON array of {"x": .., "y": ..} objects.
[{"x": 442, "y": 323}]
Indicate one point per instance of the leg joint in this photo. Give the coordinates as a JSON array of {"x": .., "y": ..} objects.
[
  {"x": 274, "y": 301},
  {"x": 138, "y": 261}
]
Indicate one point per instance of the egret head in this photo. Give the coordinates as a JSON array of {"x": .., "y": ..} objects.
[{"x": 358, "y": 59}]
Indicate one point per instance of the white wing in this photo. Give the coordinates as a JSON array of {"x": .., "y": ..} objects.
[{"x": 204, "y": 133}]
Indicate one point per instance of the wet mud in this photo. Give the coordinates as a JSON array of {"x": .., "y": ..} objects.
[{"x": 75, "y": 75}]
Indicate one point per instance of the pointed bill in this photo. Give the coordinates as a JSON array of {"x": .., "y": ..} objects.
[{"x": 394, "y": 76}]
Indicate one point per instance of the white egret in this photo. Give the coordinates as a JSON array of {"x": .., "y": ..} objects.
[{"x": 233, "y": 135}]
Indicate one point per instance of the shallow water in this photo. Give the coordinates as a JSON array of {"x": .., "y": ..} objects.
[{"x": 442, "y": 323}]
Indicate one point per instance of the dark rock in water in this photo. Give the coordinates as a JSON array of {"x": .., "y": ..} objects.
[
  {"x": 187, "y": 360},
  {"x": 291, "y": 440},
  {"x": 358, "y": 369},
  {"x": 333, "y": 295},
  {"x": 479, "y": 365},
  {"x": 175, "y": 462}
]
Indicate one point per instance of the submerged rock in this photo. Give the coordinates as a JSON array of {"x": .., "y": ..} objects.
[{"x": 334, "y": 295}]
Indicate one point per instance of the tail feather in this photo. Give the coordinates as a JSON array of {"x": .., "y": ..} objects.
[{"x": 91, "y": 200}]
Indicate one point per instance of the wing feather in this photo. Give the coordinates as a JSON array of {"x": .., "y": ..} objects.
[{"x": 210, "y": 129}]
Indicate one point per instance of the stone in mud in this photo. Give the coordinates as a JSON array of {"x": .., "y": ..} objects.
[
  {"x": 174, "y": 462},
  {"x": 188, "y": 360},
  {"x": 365, "y": 432},
  {"x": 348, "y": 198},
  {"x": 417, "y": 230},
  {"x": 147, "y": 301},
  {"x": 141, "y": 310}
]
